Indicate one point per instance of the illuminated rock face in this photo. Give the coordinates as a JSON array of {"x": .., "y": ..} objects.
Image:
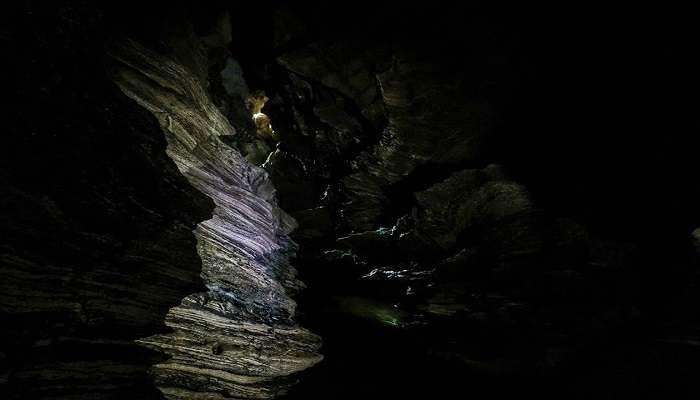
[
  {"x": 96, "y": 230},
  {"x": 239, "y": 339},
  {"x": 255, "y": 103}
]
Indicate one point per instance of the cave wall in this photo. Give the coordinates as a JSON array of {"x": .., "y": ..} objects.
[
  {"x": 96, "y": 225},
  {"x": 239, "y": 339},
  {"x": 486, "y": 197},
  {"x": 106, "y": 229},
  {"x": 479, "y": 181}
]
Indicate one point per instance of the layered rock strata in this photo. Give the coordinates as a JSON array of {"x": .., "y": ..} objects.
[
  {"x": 96, "y": 239},
  {"x": 239, "y": 339}
]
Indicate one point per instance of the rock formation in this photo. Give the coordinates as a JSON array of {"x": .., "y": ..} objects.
[
  {"x": 96, "y": 224},
  {"x": 238, "y": 340},
  {"x": 464, "y": 190},
  {"x": 82, "y": 306}
]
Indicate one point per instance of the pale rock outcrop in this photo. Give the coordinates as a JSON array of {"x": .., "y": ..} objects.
[{"x": 238, "y": 340}]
